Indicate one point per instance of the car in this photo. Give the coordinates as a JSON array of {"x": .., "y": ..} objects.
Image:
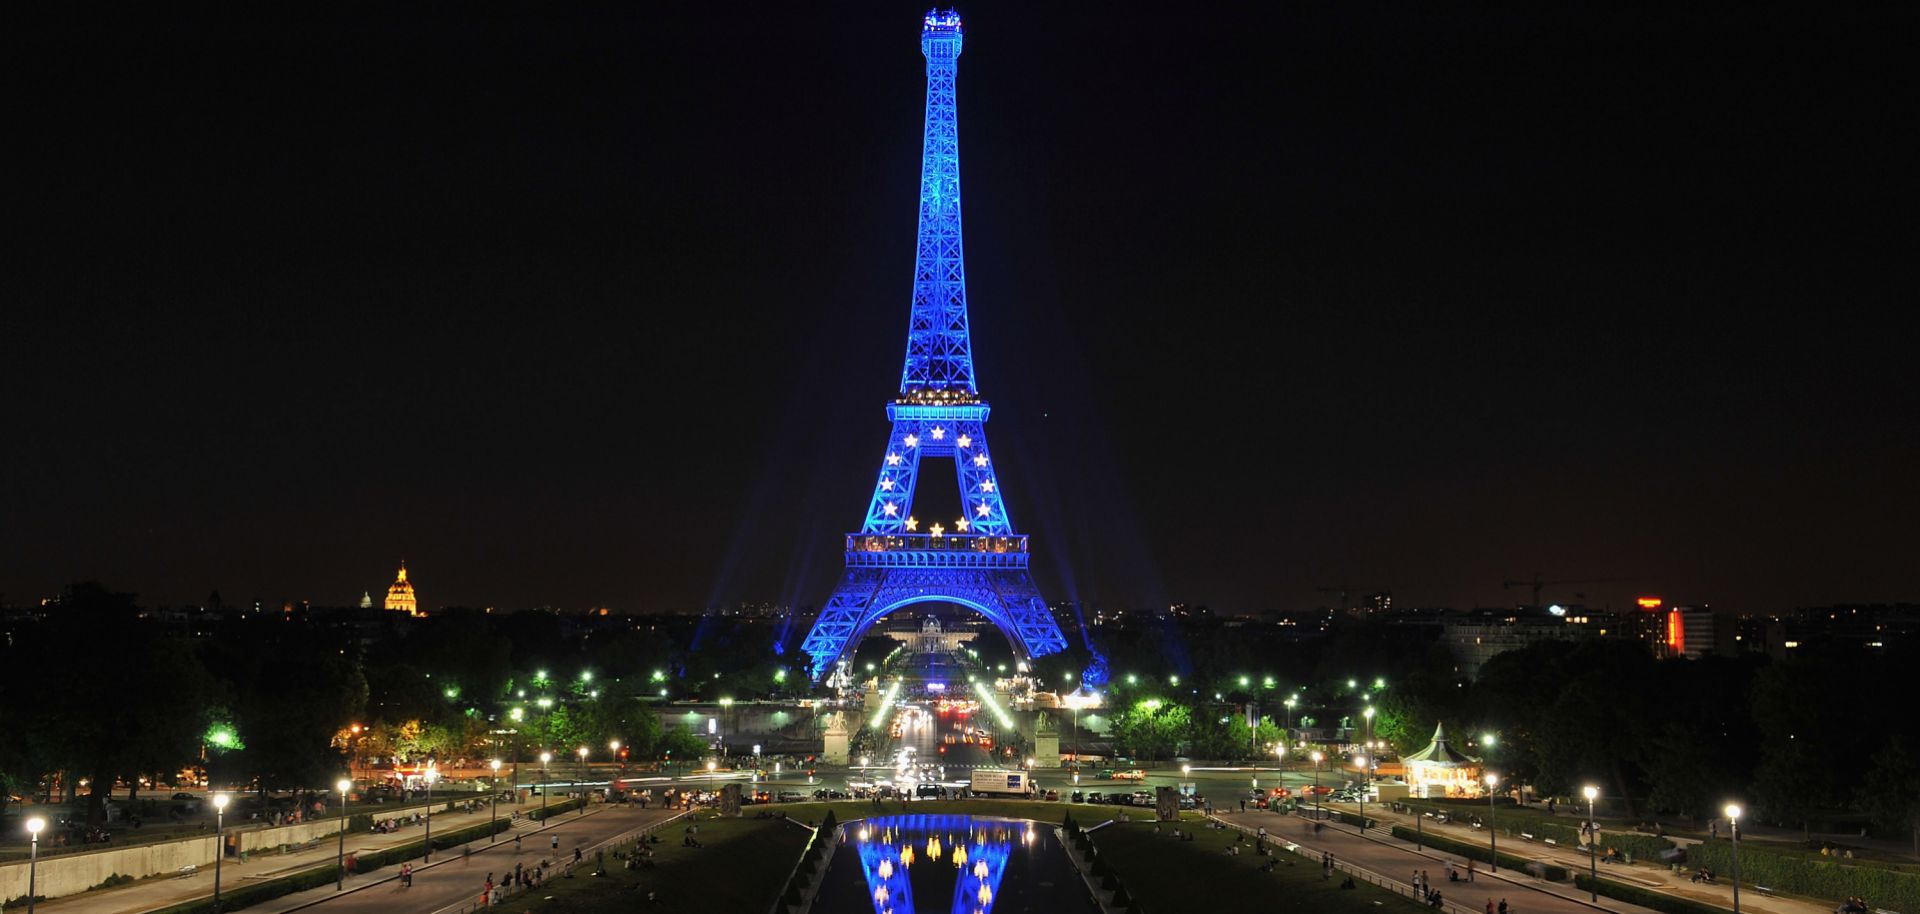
[
  {"x": 925, "y": 791},
  {"x": 788, "y": 796},
  {"x": 1053, "y": 796},
  {"x": 1131, "y": 774},
  {"x": 1078, "y": 797},
  {"x": 186, "y": 796},
  {"x": 1142, "y": 798},
  {"x": 1096, "y": 797},
  {"x": 1187, "y": 802},
  {"x": 1108, "y": 774}
]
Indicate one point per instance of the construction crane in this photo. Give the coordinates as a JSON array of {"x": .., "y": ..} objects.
[{"x": 1537, "y": 584}]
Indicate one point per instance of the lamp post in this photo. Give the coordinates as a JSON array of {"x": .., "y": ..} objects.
[
  {"x": 34, "y": 825},
  {"x": 711, "y": 765},
  {"x": 1317, "y": 759},
  {"x": 219, "y": 842},
  {"x": 1733, "y": 829},
  {"x": 613, "y": 749},
  {"x": 340, "y": 858},
  {"x": 493, "y": 814},
  {"x": 1364, "y": 790},
  {"x": 545, "y": 757},
  {"x": 1493, "y": 832},
  {"x": 1593, "y": 846},
  {"x": 433, "y": 774},
  {"x": 583, "y": 780}
]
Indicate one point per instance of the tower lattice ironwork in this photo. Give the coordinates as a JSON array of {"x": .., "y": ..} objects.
[{"x": 975, "y": 560}]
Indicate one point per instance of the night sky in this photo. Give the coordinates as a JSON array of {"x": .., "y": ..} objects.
[{"x": 601, "y": 306}]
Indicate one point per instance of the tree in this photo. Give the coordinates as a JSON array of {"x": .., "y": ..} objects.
[{"x": 1891, "y": 793}]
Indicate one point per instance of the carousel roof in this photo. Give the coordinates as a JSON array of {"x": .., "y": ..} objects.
[{"x": 1440, "y": 753}]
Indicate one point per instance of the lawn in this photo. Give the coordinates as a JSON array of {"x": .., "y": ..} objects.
[
  {"x": 1161, "y": 874},
  {"x": 741, "y": 870}
]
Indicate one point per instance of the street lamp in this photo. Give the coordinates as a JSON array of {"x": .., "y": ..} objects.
[
  {"x": 340, "y": 858},
  {"x": 34, "y": 825},
  {"x": 433, "y": 774},
  {"x": 1368, "y": 714},
  {"x": 711, "y": 765},
  {"x": 1733, "y": 829},
  {"x": 493, "y": 811},
  {"x": 1364, "y": 791},
  {"x": 1290, "y": 702},
  {"x": 1593, "y": 846},
  {"x": 545, "y": 787},
  {"x": 583, "y": 780},
  {"x": 1493, "y": 833},
  {"x": 1317, "y": 759},
  {"x": 219, "y": 842}
]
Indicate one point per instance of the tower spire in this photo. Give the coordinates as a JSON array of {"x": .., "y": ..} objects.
[{"x": 939, "y": 348}]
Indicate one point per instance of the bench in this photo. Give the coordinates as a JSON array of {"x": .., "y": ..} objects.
[
  {"x": 1552, "y": 842},
  {"x": 188, "y": 870},
  {"x": 1525, "y": 836},
  {"x": 1764, "y": 890}
]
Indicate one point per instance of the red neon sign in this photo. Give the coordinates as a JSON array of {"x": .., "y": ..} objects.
[
  {"x": 1650, "y": 602},
  {"x": 1676, "y": 632}
]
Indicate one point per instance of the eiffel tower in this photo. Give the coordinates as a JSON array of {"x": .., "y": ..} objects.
[{"x": 975, "y": 560}]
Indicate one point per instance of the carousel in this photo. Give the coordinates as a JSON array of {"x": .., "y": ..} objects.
[{"x": 1442, "y": 771}]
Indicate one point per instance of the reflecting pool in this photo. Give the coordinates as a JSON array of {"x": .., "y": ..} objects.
[{"x": 948, "y": 864}]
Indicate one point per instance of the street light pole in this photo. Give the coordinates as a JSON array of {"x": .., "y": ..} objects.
[
  {"x": 1364, "y": 791},
  {"x": 219, "y": 842},
  {"x": 545, "y": 786},
  {"x": 34, "y": 825},
  {"x": 1593, "y": 847},
  {"x": 1317, "y": 757},
  {"x": 583, "y": 780},
  {"x": 493, "y": 817},
  {"x": 433, "y": 774},
  {"x": 1733, "y": 828},
  {"x": 340, "y": 858},
  {"x": 1493, "y": 831}
]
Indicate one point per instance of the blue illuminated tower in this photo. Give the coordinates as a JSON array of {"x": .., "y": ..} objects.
[{"x": 975, "y": 560}]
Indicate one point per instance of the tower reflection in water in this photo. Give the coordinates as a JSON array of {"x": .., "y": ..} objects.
[{"x": 936, "y": 856}]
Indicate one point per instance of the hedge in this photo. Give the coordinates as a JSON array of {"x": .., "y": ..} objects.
[
  {"x": 236, "y": 897},
  {"x": 556, "y": 809},
  {"x": 1642, "y": 847},
  {"x": 1647, "y": 898},
  {"x": 1554, "y": 872},
  {"x": 373, "y": 860},
  {"x": 1802, "y": 875}
]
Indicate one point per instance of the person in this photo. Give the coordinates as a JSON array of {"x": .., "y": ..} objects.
[
  {"x": 1713, "y": 828},
  {"x": 576, "y": 853},
  {"x": 1348, "y": 883},
  {"x": 1469, "y": 870},
  {"x": 1243, "y": 805},
  {"x": 1263, "y": 833},
  {"x": 555, "y": 845},
  {"x": 1503, "y": 906},
  {"x": 1426, "y": 882},
  {"x": 516, "y": 844},
  {"x": 1435, "y": 900},
  {"x": 1489, "y": 906}
]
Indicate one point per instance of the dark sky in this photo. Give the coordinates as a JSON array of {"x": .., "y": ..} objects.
[{"x": 601, "y": 306}]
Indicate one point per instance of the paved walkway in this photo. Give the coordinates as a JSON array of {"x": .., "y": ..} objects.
[
  {"x": 1653, "y": 877},
  {"x": 1397, "y": 860},
  {"x": 149, "y": 894}
]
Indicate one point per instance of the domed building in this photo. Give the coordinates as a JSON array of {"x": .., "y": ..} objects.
[{"x": 400, "y": 595}]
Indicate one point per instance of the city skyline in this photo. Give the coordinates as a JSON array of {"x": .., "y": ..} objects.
[{"x": 1409, "y": 303}]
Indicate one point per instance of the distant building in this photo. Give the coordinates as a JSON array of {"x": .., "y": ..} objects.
[
  {"x": 400, "y": 595},
  {"x": 1697, "y": 631},
  {"x": 1476, "y": 638},
  {"x": 366, "y": 599}
]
